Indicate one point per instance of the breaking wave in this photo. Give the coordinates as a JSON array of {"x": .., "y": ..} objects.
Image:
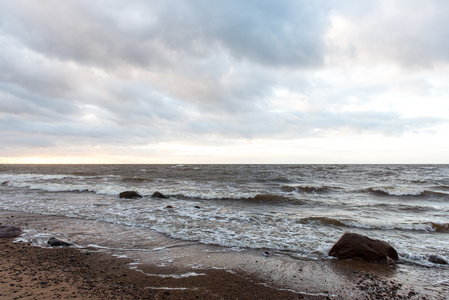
[
  {"x": 115, "y": 190},
  {"x": 246, "y": 197},
  {"x": 396, "y": 191},
  {"x": 322, "y": 221},
  {"x": 404, "y": 191},
  {"x": 308, "y": 189},
  {"x": 424, "y": 226}
]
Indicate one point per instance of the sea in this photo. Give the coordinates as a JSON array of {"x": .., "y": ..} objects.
[{"x": 301, "y": 210}]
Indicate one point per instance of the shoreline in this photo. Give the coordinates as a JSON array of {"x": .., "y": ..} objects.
[
  {"x": 67, "y": 273},
  {"x": 181, "y": 270}
]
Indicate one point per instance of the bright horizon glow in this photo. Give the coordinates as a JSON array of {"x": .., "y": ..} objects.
[{"x": 310, "y": 151}]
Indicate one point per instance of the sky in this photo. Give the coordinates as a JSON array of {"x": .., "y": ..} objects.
[{"x": 195, "y": 81}]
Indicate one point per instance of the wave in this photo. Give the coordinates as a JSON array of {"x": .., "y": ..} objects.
[
  {"x": 443, "y": 187},
  {"x": 136, "y": 179},
  {"x": 322, "y": 221},
  {"x": 426, "y": 260},
  {"x": 115, "y": 190},
  {"x": 273, "y": 180},
  {"x": 438, "y": 227},
  {"x": 85, "y": 174},
  {"x": 405, "y": 192},
  {"x": 404, "y": 207},
  {"x": 271, "y": 198},
  {"x": 36, "y": 177},
  {"x": 396, "y": 191},
  {"x": 307, "y": 189},
  {"x": 420, "y": 226},
  {"x": 245, "y": 197},
  {"x": 51, "y": 187},
  {"x": 186, "y": 168},
  {"x": 312, "y": 189},
  {"x": 287, "y": 188}
]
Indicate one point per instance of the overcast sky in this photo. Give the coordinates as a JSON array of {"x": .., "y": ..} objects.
[{"x": 310, "y": 81}]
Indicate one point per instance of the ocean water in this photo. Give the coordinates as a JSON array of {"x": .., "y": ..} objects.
[{"x": 300, "y": 210}]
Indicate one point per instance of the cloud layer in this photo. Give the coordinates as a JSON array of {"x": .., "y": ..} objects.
[{"x": 86, "y": 74}]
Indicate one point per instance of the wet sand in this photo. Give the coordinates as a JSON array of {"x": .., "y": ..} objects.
[
  {"x": 32, "y": 272},
  {"x": 66, "y": 273}
]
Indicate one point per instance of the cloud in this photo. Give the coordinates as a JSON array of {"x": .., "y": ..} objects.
[
  {"x": 136, "y": 73},
  {"x": 412, "y": 34},
  {"x": 152, "y": 34}
]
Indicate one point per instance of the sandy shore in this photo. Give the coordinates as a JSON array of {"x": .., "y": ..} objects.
[{"x": 31, "y": 272}]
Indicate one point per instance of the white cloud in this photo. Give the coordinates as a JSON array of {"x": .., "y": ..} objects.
[{"x": 115, "y": 74}]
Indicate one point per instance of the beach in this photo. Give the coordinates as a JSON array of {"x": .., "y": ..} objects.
[
  {"x": 230, "y": 231},
  {"x": 41, "y": 272},
  {"x": 29, "y": 272}
]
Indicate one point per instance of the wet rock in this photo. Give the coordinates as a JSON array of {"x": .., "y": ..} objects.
[
  {"x": 159, "y": 195},
  {"x": 130, "y": 195},
  {"x": 197, "y": 207},
  {"x": 169, "y": 206},
  {"x": 58, "y": 243},
  {"x": 437, "y": 260},
  {"x": 359, "y": 247},
  {"x": 10, "y": 231},
  {"x": 5, "y": 182}
]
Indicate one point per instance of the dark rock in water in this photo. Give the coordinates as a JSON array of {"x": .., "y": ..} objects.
[
  {"x": 130, "y": 195},
  {"x": 437, "y": 260},
  {"x": 10, "y": 231},
  {"x": 169, "y": 206},
  {"x": 58, "y": 243},
  {"x": 359, "y": 247},
  {"x": 159, "y": 195},
  {"x": 5, "y": 182},
  {"x": 196, "y": 206}
]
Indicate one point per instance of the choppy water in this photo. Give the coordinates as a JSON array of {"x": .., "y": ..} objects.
[{"x": 299, "y": 209}]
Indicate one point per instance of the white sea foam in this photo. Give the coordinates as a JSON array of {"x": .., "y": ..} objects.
[
  {"x": 237, "y": 211},
  {"x": 420, "y": 259},
  {"x": 442, "y": 282},
  {"x": 399, "y": 190},
  {"x": 39, "y": 182},
  {"x": 177, "y": 276}
]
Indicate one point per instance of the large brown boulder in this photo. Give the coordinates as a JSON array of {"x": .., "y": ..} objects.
[
  {"x": 130, "y": 195},
  {"x": 10, "y": 231},
  {"x": 359, "y": 247}
]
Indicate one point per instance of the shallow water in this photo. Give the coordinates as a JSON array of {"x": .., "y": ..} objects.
[
  {"x": 300, "y": 210},
  {"x": 175, "y": 258}
]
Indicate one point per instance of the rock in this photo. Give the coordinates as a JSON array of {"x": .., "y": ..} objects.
[
  {"x": 197, "y": 207},
  {"x": 5, "y": 182},
  {"x": 10, "y": 231},
  {"x": 437, "y": 260},
  {"x": 169, "y": 206},
  {"x": 360, "y": 247},
  {"x": 58, "y": 243},
  {"x": 130, "y": 195},
  {"x": 159, "y": 195}
]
